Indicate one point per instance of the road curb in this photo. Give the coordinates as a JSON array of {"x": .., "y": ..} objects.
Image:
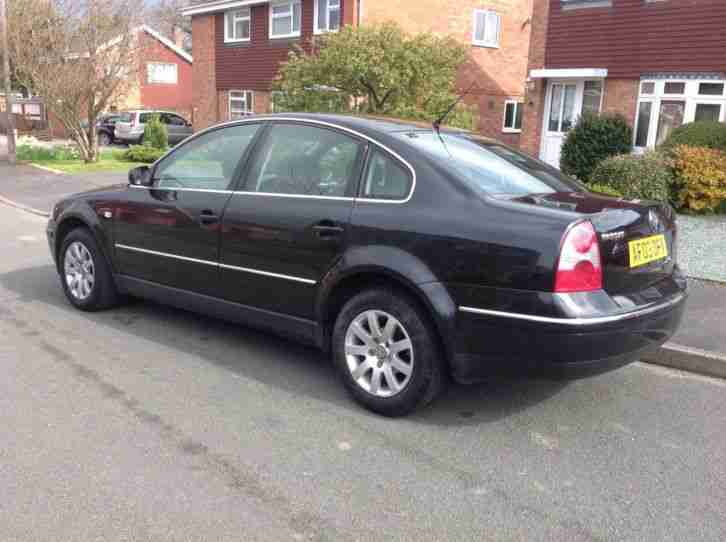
[
  {"x": 22, "y": 207},
  {"x": 46, "y": 168},
  {"x": 690, "y": 359}
]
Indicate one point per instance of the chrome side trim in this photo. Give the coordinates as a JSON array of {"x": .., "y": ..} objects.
[
  {"x": 215, "y": 264},
  {"x": 266, "y": 273},
  {"x": 174, "y": 189},
  {"x": 299, "y": 196},
  {"x": 577, "y": 321},
  {"x": 165, "y": 254}
]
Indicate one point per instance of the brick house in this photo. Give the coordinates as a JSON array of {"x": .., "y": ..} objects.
[
  {"x": 659, "y": 63},
  {"x": 239, "y": 45}
]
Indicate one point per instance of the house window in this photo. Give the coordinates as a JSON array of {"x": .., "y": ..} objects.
[
  {"x": 592, "y": 97},
  {"x": 285, "y": 19},
  {"x": 161, "y": 72},
  {"x": 487, "y": 28},
  {"x": 240, "y": 104},
  {"x": 663, "y": 105},
  {"x": 327, "y": 16},
  {"x": 512, "y": 116},
  {"x": 237, "y": 25}
]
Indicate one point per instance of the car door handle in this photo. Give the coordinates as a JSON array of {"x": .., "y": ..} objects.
[
  {"x": 208, "y": 217},
  {"x": 327, "y": 229}
]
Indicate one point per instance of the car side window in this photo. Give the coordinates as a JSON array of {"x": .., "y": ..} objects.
[
  {"x": 207, "y": 161},
  {"x": 173, "y": 120},
  {"x": 385, "y": 178},
  {"x": 145, "y": 117},
  {"x": 306, "y": 160}
]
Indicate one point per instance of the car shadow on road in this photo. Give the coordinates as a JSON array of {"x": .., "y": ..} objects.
[{"x": 272, "y": 360}]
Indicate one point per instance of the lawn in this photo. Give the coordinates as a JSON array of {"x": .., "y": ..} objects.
[
  {"x": 78, "y": 166},
  {"x": 65, "y": 159}
]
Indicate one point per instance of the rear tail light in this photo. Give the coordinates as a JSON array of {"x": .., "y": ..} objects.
[{"x": 580, "y": 267}]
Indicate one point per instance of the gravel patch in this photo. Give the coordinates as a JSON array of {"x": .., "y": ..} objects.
[{"x": 702, "y": 246}]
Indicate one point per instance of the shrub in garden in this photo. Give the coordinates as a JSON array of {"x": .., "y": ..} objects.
[
  {"x": 143, "y": 153},
  {"x": 707, "y": 134},
  {"x": 700, "y": 178},
  {"x": 648, "y": 176},
  {"x": 155, "y": 134},
  {"x": 605, "y": 190},
  {"x": 593, "y": 139}
]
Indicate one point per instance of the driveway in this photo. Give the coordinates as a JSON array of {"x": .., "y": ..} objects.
[{"x": 148, "y": 423}]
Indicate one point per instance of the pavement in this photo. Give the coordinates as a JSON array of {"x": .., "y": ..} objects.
[
  {"x": 699, "y": 346},
  {"x": 149, "y": 423}
]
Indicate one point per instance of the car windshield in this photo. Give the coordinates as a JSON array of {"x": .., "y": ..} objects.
[
  {"x": 489, "y": 167},
  {"x": 126, "y": 117}
]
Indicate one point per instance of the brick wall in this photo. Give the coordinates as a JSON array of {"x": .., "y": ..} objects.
[
  {"x": 204, "y": 88},
  {"x": 497, "y": 74},
  {"x": 535, "y": 100},
  {"x": 175, "y": 97},
  {"x": 621, "y": 97}
]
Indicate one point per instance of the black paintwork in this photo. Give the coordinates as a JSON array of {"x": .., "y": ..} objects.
[{"x": 448, "y": 246}]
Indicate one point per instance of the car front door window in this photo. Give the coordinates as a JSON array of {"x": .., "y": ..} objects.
[
  {"x": 207, "y": 162},
  {"x": 305, "y": 160}
]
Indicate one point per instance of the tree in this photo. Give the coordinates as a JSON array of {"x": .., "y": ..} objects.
[
  {"x": 379, "y": 69},
  {"x": 166, "y": 17},
  {"x": 77, "y": 55}
]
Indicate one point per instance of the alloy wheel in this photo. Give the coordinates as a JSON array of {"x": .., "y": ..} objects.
[
  {"x": 80, "y": 272},
  {"x": 379, "y": 353}
]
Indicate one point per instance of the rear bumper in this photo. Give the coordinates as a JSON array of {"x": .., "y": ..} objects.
[{"x": 493, "y": 343}]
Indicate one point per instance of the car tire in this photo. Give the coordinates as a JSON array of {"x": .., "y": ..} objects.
[
  {"x": 104, "y": 139},
  {"x": 85, "y": 274},
  {"x": 358, "y": 360}
]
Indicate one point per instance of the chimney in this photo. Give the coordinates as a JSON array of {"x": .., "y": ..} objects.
[{"x": 178, "y": 37}]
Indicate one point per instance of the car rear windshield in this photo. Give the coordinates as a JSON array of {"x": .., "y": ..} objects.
[
  {"x": 126, "y": 117},
  {"x": 489, "y": 167}
]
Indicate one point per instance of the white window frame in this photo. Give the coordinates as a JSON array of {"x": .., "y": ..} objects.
[
  {"x": 691, "y": 97},
  {"x": 517, "y": 106},
  {"x": 331, "y": 5},
  {"x": 151, "y": 72},
  {"x": 291, "y": 14},
  {"x": 247, "y": 96},
  {"x": 241, "y": 14},
  {"x": 491, "y": 43}
]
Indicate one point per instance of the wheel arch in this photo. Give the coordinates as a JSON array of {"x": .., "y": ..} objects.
[
  {"x": 72, "y": 220},
  {"x": 344, "y": 282}
]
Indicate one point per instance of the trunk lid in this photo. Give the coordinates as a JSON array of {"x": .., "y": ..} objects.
[
  {"x": 618, "y": 223},
  {"x": 125, "y": 123}
]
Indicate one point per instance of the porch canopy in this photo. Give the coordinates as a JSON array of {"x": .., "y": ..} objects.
[{"x": 569, "y": 73}]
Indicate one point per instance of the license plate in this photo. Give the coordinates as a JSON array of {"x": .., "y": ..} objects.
[{"x": 648, "y": 249}]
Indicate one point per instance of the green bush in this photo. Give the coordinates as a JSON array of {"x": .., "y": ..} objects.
[
  {"x": 155, "y": 134},
  {"x": 604, "y": 190},
  {"x": 700, "y": 177},
  {"x": 32, "y": 153},
  {"x": 143, "y": 153},
  {"x": 711, "y": 135},
  {"x": 647, "y": 176},
  {"x": 593, "y": 139}
]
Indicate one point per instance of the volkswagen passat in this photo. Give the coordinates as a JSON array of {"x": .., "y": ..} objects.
[{"x": 410, "y": 254}]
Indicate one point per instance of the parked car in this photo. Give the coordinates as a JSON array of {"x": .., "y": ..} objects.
[
  {"x": 409, "y": 254},
  {"x": 130, "y": 128},
  {"x": 105, "y": 128}
]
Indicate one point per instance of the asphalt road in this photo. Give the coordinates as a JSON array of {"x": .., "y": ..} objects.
[{"x": 148, "y": 423}]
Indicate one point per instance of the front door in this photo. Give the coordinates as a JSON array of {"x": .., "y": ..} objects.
[
  {"x": 288, "y": 225},
  {"x": 565, "y": 102},
  {"x": 169, "y": 233}
]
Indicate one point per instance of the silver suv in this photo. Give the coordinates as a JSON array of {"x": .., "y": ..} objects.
[{"x": 131, "y": 124}]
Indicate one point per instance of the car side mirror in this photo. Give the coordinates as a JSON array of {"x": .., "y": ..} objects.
[{"x": 140, "y": 176}]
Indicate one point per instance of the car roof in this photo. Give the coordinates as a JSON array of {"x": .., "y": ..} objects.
[{"x": 368, "y": 125}]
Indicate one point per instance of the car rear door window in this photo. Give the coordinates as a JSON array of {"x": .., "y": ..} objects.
[
  {"x": 206, "y": 162},
  {"x": 386, "y": 178},
  {"x": 297, "y": 159}
]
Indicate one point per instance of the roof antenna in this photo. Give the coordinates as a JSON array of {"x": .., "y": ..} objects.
[{"x": 442, "y": 118}]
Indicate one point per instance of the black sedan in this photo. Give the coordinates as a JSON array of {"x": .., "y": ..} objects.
[{"x": 408, "y": 253}]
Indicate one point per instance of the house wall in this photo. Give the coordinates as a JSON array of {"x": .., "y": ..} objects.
[
  {"x": 498, "y": 74},
  {"x": 633, "y": 36},
  {"x": 176, "y": 97},
  {"x": 204, "y": 74}
]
